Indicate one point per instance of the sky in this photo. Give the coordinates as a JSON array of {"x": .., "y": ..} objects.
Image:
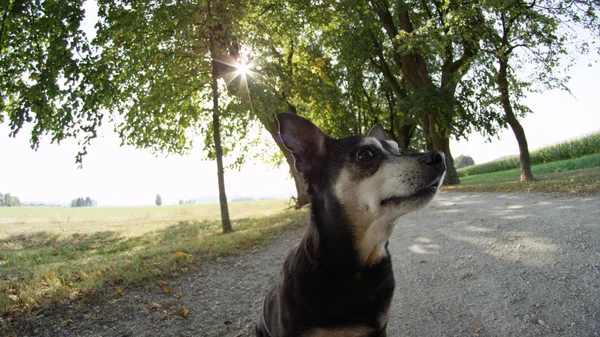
[{"x": 116, "y": 176}]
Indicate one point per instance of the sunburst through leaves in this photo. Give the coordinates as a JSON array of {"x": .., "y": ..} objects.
[{"x": 243, "y": 71}]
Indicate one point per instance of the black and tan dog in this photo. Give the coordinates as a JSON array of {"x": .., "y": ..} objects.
[{"x": 338, "y": 280}]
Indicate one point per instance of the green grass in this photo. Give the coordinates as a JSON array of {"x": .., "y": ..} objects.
[
  {"x": 563, "y": 151},
  {"x": 589, "y": 161},
  {"x": 579, "y": 175},
  {"x": 38, "y": 268}
]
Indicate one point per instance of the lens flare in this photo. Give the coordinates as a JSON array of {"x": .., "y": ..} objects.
[{"x": 243, "y": 69}]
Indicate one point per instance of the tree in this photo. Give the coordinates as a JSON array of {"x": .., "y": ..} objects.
[
  {"x": 464, "y": 161},
  {"x": 7, "y": 200},
  {"x": 159, "y": 68},
  {"x": 535, "y": 28},
  {"x": 152, "y": 66},
  {"x": 218, "y": 38},
  {"x": 158, "y": 200},
  {"x": 294, "y": 74},
  {"x": 420, "y": 50},
  {"x": 433, "y": 44},
  {"x": 364, "y": 77},
  {"x": 181, "y": 202},
  {"x": 81, "y": 202}
]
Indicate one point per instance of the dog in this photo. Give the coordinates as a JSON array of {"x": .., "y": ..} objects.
[{"x": 338, "y": 281}]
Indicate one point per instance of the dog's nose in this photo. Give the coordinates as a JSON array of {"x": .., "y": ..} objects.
[{"x": 434, "y": 158}]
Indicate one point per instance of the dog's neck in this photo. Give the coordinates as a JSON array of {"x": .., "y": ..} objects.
[{"x": 332, "y": 241}]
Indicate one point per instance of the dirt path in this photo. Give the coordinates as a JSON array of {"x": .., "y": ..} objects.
[{"x": 468, "y": 265}]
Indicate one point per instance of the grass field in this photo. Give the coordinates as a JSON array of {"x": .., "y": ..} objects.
[
  {"x": 579, "y": 175},
  {"x": 127, "y": 221},
  {"x": 575, "y": 148},
  {"x": 55, "y": 254}
]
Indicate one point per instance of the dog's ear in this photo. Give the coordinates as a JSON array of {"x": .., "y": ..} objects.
[
  {"x": 378, "y": 133},
  {"x": 306, "y": 141}
]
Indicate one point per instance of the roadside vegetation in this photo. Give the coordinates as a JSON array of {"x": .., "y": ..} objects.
[
  {"x": 579, "y": 175},
  {"x": 575, "y": 148},
  {"x": 38, "y": 268}
]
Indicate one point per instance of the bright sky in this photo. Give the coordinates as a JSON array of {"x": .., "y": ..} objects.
[{"x": 115, "y": 175}]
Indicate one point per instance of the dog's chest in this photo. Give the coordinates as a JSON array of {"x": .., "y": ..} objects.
[{"x": 345, "y": 332}]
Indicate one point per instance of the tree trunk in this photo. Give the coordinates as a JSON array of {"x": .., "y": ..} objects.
[
  {"x": 225, "y": 221},
  {"x": 404, "y": 135},
  {"x": 301, "y": 190},
  {"x": 525, "y": 161},
  {"x": 442, "y": 143}
]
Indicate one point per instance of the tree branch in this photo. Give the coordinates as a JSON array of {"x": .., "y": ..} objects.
[
  {"x": 4, "y": 19},
  {"x": 387, "y": 74}
]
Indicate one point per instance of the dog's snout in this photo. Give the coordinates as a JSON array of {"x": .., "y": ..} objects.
[{"x": 434, "y": 158}]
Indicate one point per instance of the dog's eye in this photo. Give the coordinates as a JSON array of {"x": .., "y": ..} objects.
[{"x": 365, "y": 155}]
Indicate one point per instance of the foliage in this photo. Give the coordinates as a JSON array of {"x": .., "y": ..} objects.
[
  {"x": 158, "y": 200},
  {"x": 535, "y": 42},
  {"x": 81, "y": 202},
  {"x": 45, "y": 69},
  {"x": 422, "y": 70},
  {"x": 8, "y": 200},
  {"x": 148, "y": 69},
  {"x": 149, "y": 72},
  {"x": 567, "y": 150},
  {"x": 464, "y": 161},
  {"x": 294, "y": 71}
]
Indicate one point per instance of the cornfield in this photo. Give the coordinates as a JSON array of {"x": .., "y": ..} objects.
[{"x": 567, "y": 150}]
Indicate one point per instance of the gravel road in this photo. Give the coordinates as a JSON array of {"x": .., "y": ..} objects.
[{"x": 467, "y": 265}]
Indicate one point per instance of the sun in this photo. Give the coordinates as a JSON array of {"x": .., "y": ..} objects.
[{"x": 243, "y": 68}]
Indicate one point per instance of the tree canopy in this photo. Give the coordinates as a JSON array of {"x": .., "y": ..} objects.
[
  {"x": 45, "y": 61},
  {"x": 425, "y": 71}
]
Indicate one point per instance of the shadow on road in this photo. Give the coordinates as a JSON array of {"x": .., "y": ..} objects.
[{"x": 498, "y": 265}]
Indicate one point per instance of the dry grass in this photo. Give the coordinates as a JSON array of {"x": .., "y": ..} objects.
[
  {"x": 127, "y": 221},
  {"x": 53, "y": 260}
]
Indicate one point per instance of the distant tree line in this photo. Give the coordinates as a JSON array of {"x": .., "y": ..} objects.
[
  {"x": 7, "y": 200},
  {"x": 187, "y": 202},
  {"x": 81, "y": 202},
  {"x": 463, "y": 161},
  {"x": 242, "y": 199}
]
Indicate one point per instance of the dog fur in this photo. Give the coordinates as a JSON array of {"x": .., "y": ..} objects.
[{"x": 338, "y": 281}]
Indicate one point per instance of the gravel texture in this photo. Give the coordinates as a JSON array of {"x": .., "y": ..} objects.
[{"x": 467, "y": 265}]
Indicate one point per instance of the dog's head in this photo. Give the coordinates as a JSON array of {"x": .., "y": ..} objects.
[{"x": 372, "y": 180}]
